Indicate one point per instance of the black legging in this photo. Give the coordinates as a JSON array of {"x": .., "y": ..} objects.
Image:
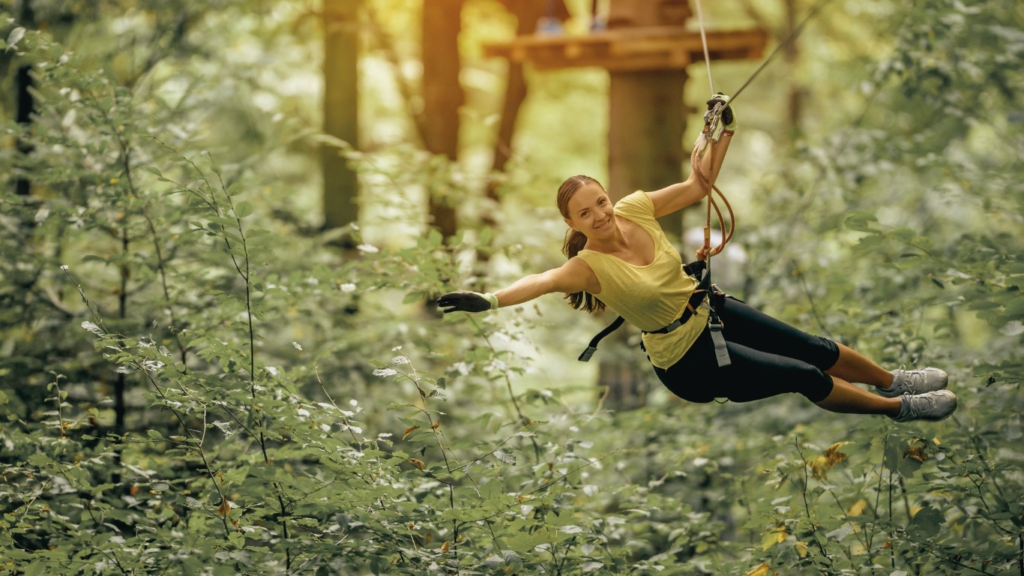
[{"x": 769, "y": 357}]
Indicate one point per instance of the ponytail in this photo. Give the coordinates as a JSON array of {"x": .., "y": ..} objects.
[{"x": 576, "y": 240}]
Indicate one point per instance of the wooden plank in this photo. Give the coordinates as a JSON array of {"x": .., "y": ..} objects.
[{"x": 656, "y": 48}]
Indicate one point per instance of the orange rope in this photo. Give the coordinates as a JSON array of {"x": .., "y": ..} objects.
[{"x": 710, "y": 188}]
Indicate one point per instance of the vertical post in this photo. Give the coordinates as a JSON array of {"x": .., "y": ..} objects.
[
  {"x": 442, "y": 94},
  {"x": 645, "y": 152},
  {"x": 794, "y": 99},
  {"x": 341, "y": 58},
  {"x": 645, "y": 136}
]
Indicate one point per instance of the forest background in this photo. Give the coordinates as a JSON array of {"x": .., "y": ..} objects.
[{"x": 200, "y": 377}]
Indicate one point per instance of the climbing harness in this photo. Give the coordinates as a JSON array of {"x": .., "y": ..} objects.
[{"x": 712, "y": 132}]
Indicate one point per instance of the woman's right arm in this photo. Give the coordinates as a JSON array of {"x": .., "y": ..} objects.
[{"x": 573, "y": 276}]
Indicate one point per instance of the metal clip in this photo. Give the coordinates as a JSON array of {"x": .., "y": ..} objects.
[{"x": 712, "y": 119}]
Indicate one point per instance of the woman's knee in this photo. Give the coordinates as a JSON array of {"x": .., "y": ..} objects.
[
  {"x": 815, "y": 385},
  {"x": 824, "y": 353}
]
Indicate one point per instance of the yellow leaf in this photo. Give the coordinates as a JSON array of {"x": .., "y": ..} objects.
[
  {"x": 801, "y": 548},
  {"x": 858, "y": 508},
  {"x": 917, "y": 453},
  {"x": 833, "y": 454},
  {"x": 444, "y": 547},
  {"x": 759, "y": 570},
  {"x": 821, "y": 464},
  {"x": 936, "y": 441},
  {"x": 914, "y": 511},
  {"x": 774, "y": 537},
  {"x": 819, "y": 468}
]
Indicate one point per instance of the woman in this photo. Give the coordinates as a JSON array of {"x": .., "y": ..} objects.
[{"x": 621, "y": 255}]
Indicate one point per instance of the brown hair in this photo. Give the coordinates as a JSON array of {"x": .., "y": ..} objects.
[{"x": 576, "y": 240}]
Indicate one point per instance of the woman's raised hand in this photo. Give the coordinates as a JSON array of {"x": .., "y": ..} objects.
[{"x": 467, "y": 302}]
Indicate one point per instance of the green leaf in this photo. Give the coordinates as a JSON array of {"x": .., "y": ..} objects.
[
  {"x": 16, "y": 35},
  {"x": 505, "y": 457},
  {"x": 861, "y": 221},
  {"x": 903, "y": 234},
  {"x": 441, "y": 383},
  {"x": 485, "y": 236},
  {"x": 926, "y": 523},
  {"x": 524, "y": 542},
  {"x": 434, "y": 238},
  {"x": 491, "y": 490},
  {"x": 153, "y": 170},
  {"x": 243, "y": 209},
  {"x": 1015, "y": 308}
]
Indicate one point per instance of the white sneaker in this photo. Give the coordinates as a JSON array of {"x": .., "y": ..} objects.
[
  {"x": 915, "y": 382},
  {"x": 933, "y": 406}
]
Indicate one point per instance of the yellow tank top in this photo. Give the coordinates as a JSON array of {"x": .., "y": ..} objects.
[{"x": 653, "y": 296}]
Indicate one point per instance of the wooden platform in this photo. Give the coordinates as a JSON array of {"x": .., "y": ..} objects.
[{"x": 628, "y": 49}]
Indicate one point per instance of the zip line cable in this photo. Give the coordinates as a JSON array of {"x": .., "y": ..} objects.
[
  {"x": 704, "y": 40},
  {"x": 788, "y": 39},
  {"x": 711, "y": 120}
]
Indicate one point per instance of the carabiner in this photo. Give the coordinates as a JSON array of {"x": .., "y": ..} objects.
[{"x": 712, "y": 119}]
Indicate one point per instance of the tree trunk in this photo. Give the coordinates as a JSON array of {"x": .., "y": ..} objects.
[
  {"x": 341, "y": 57},
  {"x": 645, "y": 152},
  {"x": 515, "y": 93},
  {"x": 442, "y": 95},
  {"x": 645, "y": 139},
  {"x": 25, "y": 103},
  {"x": 527, "y": 13}
]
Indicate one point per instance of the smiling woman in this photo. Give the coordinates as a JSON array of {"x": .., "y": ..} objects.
[{"x": 620, "y": 253}]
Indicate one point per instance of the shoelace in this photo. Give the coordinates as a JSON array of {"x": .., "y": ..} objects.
[
  {"x": 916, "y": 405},
  {"x": 912, "y": 376}
]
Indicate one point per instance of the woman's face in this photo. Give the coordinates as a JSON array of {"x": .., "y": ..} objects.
[{"x": 591, "y": 212}]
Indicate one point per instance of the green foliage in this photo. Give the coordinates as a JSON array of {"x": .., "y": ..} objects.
[{"x": 292, "y": 406}]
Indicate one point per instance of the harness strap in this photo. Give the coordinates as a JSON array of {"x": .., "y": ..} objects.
[
  {"x": 592, "y": 347},
  {"x": 697, "y": 268},
  {"x": 691, "y": 305}
]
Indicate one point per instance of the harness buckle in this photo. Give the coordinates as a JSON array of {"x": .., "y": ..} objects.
[
  {"x": 587, "y": 354},
  {"x": 721, "y": 351}
]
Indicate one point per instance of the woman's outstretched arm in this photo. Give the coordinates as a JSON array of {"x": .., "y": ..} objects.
[
  {"x": 573, "y": 276},
  {"x": 678, "y": 196}
]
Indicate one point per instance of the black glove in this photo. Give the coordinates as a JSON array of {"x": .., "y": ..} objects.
[
  {"x": 467, "y": 302},
  {"x": 727, "y": 116}
]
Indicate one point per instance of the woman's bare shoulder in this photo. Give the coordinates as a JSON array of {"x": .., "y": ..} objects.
[{"x": 578, "y": 276}]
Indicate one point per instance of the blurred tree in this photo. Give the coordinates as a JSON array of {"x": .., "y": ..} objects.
[
  {"x": 442, "y": 94},
  {"x": 527, "y": 13},
  {"x": 24, "y": 104},
  {"x": 341, "y": 57}
]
